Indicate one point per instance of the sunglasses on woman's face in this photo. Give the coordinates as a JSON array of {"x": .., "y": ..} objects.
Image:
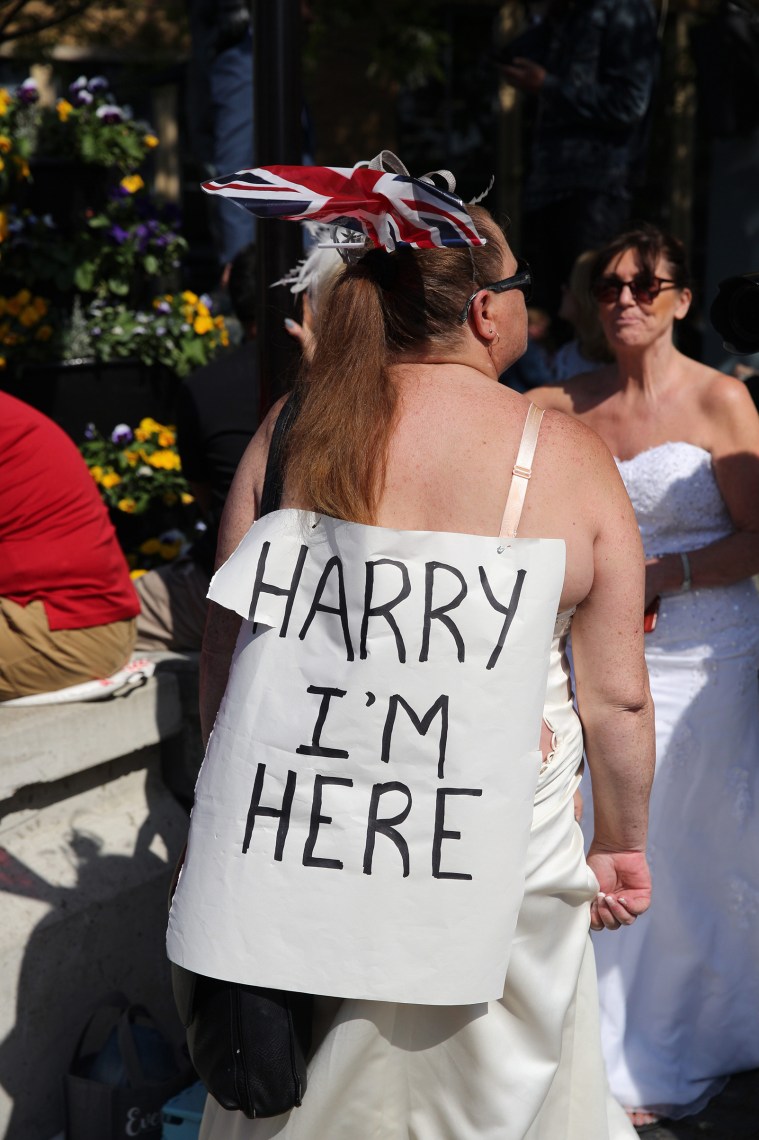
[
  {"x": 521, "y": 280},
  {"x": 643, "y": 290}
]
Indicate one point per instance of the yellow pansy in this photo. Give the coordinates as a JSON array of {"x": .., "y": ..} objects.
[
  {"x": 5, "y": 144},
  {"x": 166, "y": 438},
  {"x": 5, "y": 100},
  {"x": 166, "y": 460},
  {"x": 22, "y": 166},
  {"x": 97, "y": 473},
  {"x": 28, "y": 316},
  {"x": 187, "y": 498},
  {"x": 202, "y": 309},
  {"x": 23, "y": 297},
  {"x": 151, "y": 141},
  {"x": 224, "y": 338},
  {"x": 219, "y": 322},
  {"x": 111, "y": 479},
  {"x": 41, "y": 305},
  {"x": 150, "y": 425},
  {"x": 189, "y": 297},
  {"x": 170, "y": 550},
  {"x": 44, "y": 332},
  {"x": 131, "y": 457},
  {"x": 136, "y": 573},
  {"x": 150, "y": 546},
  {"x": 128, "y": 506},
  {"x": 64, "y": 109},
  {"x": 132, "y": 183},
  {"x": 202, "y": 325}
]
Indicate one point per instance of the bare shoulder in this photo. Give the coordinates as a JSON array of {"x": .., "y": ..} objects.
[
  {"x": 575, "y": 442},
  {"x": 579, "y": 394},
  {"x": 722, "y": 397}
]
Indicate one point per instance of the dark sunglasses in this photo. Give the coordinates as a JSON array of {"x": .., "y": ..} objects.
[
  {"x": 521, "y": 280},
  {"x": 643, "y": 291}
]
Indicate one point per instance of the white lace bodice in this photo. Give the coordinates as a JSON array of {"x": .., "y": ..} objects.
[
  {"x": 676, "y": 498},
  {"x": 679, "y": 507}
]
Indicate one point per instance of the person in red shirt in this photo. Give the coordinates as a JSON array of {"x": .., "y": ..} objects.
[{"x": 67, "y": 605}]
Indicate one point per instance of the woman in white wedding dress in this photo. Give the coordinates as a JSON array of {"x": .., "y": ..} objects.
[
  {"x": 680, "y": 994},
  {"x": 421, "y": 437}
]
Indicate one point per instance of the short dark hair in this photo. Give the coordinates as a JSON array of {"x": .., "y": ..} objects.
[
  {"x": 242, "y": 285},
  {"x": 650, "y": 244}
]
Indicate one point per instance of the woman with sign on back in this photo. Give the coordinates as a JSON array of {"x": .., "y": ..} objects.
[{"x": 405, "y": 432}]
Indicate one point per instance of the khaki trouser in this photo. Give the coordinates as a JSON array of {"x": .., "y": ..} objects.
[
  {"x": 36, "y": 659},
  {"x": 173, "y": 607}
]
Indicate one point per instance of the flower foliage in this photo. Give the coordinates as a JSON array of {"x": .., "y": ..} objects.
[
  {"x": 87, "y": 124},
  {"x": 93, "y": 268},
  {"x": 135, "y": 468},
  {"x": 179, "y": 332},
  {"x": 130, "y": 238},
  {"x": 24, "y": 327}
]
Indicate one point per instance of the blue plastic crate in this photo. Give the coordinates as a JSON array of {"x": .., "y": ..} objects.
[{"x": 182, "y": 1114}]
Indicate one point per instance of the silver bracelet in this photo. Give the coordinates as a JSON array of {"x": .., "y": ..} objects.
[{"x": 687, "y": 578}]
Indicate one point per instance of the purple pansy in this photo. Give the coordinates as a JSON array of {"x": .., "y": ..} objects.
[
  {"x": 110, "y": 113},
  {"x": 121, "y": 434},
  {"x": 28, "y": 92},
  {"x": 98, "y": 84},
  {"x": 118, "y": 234},
  {"x": 83, "y": 98},
  {"x": 90, "y": 431},
  {"x": 163, "y": 307}
]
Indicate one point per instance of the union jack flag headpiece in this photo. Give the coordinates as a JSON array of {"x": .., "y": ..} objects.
[{"x": 369, "y": 201}]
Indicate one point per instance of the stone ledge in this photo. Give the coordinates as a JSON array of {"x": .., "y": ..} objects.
[{"x": 43, "y": 744}]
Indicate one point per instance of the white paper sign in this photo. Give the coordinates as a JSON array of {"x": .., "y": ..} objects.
[{"x": 362, "y": 814}]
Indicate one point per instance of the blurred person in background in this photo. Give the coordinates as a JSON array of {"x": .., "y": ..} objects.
[
  {"x": 67, "y": 606},
  {"x": 590, "y": 65},
  {"x": 589, "y": 348}
]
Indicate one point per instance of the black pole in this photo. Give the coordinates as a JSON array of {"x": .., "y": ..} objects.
[{"x": 278, "y": 110}]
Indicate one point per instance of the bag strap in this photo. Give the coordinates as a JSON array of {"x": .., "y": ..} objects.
[
  {"x": 274, "y": 477},
  {"x": 114, "y": 1000}
]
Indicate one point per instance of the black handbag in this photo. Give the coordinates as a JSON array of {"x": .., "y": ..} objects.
[{"x": 248, "y": 1044}]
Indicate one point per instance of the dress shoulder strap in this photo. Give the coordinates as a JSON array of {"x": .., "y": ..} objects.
[{"x": 521, "y": 473}]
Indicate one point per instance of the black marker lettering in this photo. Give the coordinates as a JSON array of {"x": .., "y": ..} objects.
[
  {"x": 440, "y": 613},
  {"x": 341, "y": 609},
  {"x": 315, "y": 748},
  {"x": 421, "y": 726},
  {"x": 309, "y": 859},
  {"x": 441, "y": 833},
  {"x": 261, "y": 587},
  {"x": 283, "y": 812},
  {"x": 509, "y": 610},
  {"x": 384, "y": 609},
  {"x": 386, "y": 826}
]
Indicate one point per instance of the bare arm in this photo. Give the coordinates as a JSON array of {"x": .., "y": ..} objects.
[
  {"x": 614, "y": 702},
  {"x": 734, "y": 427},
  {"x": 242, "y": 508}
]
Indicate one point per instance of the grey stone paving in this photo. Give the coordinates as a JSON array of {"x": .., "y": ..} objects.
[{"x": 733, "y": 1115}]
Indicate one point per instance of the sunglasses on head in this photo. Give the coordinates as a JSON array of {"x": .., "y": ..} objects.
[
  {"x": 643, "y": 290},
  {"x": 521, "y": 280}
]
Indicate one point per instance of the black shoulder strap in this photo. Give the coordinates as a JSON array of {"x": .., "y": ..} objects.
[{"x": 274, "y": 477}]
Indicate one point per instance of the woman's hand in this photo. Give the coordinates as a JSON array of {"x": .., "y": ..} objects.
[
  {"x": 664, "y": 575},
  {"x": 625, "y": 882}
]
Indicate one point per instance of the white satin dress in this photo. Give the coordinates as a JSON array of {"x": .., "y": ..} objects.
[
  {"x": 680, "y": 992},
  {"x": 527, "y": 1067}
]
